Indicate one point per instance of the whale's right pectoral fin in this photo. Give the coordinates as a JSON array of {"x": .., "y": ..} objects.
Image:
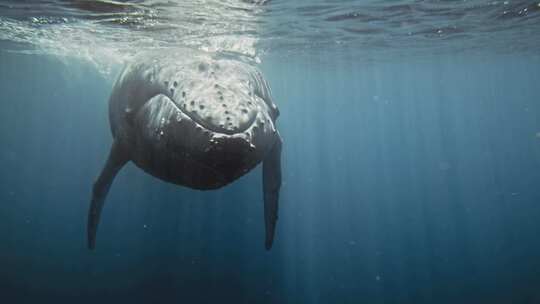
[
  {"x": 271, "y": 185},
  {"x": 117, "y": 159}
]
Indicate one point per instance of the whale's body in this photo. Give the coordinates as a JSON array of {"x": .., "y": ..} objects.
[{"x": 193, "y": 119}]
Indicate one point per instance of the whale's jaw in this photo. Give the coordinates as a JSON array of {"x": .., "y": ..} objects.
[{"x": 171, "y": 145}]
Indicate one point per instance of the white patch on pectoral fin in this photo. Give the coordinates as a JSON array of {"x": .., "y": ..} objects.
[
  {"x": 117, "y": 159},
  {"x": 271, "y": 185}
]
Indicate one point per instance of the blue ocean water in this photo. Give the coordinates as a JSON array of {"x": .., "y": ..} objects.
[{"x": 410, "y": 165}]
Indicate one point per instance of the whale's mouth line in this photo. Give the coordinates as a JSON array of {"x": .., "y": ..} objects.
[
  {"x": 194, "y": 124},
  {"x": 202, "y": 123}
]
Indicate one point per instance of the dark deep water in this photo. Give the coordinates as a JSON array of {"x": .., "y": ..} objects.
[{"x": 405, "y": 181}]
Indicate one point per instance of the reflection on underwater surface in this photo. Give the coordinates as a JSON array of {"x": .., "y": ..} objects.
[
  {"x": 109, "y": 32},
  {"x": 410, "y": 168}
]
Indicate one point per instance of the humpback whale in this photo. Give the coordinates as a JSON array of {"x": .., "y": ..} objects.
[{"x": 195, "y": 119}]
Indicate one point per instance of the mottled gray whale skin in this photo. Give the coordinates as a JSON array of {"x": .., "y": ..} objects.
[{"x": 193, "y": 119}]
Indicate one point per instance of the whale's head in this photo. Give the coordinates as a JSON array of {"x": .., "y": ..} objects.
[
  {"x": 222, "y": 96},
  {"x": 215, "y": 115}
]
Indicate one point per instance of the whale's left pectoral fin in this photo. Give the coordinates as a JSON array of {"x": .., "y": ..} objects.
[
  {"x": 117, "y": 159},
  {"x": 271, "y": 185}
]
